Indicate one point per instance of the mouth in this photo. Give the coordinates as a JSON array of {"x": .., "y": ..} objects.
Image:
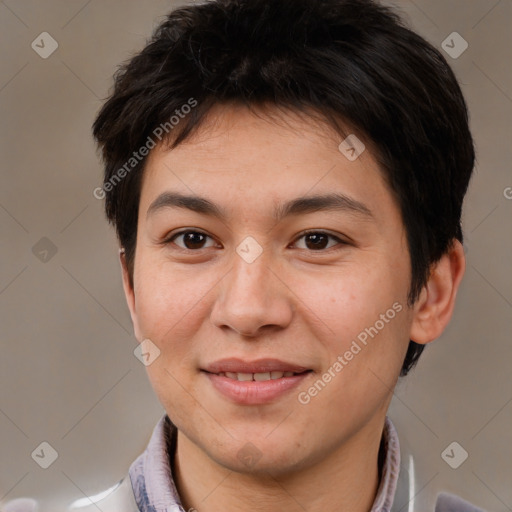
[
  {"x": 254, "y": 383},
  {"x": 259, "y": 377}
]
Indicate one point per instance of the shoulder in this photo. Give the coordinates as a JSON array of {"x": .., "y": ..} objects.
[
  {"x": 411, "y": 470},
  {"x": 451, "y": 503}
]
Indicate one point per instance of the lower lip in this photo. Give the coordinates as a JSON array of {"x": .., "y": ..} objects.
[{"x": 254, "y": 392}]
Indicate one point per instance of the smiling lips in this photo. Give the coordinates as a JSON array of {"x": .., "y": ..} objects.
[{"x": 253, "y": 383}]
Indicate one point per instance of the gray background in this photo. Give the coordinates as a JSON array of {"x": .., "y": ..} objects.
[{"x": 68, "y": 375}]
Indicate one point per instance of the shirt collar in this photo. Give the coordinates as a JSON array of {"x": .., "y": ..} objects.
[{"x": 154, "y": 488}]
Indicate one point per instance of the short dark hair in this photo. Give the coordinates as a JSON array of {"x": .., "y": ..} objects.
[{"x": 351, "y": 62}]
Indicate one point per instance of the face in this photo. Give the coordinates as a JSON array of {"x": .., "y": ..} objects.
[{"x": 292, "y": 259}]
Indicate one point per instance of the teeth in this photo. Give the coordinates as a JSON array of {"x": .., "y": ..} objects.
[
  {"x": 256, "y": 376},
  {"x": 262, "y": 376}
]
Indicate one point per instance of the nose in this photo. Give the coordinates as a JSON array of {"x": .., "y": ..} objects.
[{"x": 253, "y": 298}]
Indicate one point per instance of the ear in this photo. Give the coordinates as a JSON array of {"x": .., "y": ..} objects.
[
  {"x": 434, "y": 308},
  {"x": 129, "y": 293}
]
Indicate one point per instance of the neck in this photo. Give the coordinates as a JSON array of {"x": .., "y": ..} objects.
[{"x": 347, "y": 479}]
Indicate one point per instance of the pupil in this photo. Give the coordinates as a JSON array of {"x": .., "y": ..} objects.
[
  {"x": 193, "y": 239},
  {"x": 317, "y": 240}
]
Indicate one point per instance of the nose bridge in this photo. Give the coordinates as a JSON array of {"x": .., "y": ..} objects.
[
  {"x": 252, "y": 275},
  {"x": 251, "y": 296}
]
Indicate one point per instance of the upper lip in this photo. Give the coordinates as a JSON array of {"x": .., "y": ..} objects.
[{"x": 235, "y": 365}]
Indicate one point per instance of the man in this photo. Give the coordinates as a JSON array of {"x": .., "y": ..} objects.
[{"x": 286, "y": 180}]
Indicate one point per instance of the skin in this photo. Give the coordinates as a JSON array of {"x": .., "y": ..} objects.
[{"x": 203, "y": 302}]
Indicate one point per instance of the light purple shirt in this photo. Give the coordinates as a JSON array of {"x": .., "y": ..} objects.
[{"x": 155, "y": 490}]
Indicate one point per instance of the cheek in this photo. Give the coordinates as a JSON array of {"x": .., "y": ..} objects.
[
  {"x": 169, "y": 300},
  {"x": 365, "y": 321},
  {"x": 351, "y": 299},
  {"x": 169, "y": 312}
]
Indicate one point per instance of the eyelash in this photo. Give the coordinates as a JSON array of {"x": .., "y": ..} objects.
[{"x": 171, "y": 239}]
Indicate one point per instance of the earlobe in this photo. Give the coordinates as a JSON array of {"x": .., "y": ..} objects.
[
  {"x": 434, "y": 308},
  {"x": 129, "y": 293}
]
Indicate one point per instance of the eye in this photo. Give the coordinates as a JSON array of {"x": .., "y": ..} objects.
[
  {"x": 190, "y": 240},
  {"x": 196, "y": 240},
  {"x": 318, "y": 240}
]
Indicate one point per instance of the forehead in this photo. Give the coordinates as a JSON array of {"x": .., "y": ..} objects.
[{"x": 264, "y": 158}]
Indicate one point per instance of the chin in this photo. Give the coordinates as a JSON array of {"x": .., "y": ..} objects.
[{"x": 250, "y": 461}]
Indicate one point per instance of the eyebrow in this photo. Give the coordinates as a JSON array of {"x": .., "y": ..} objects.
[{"x": 297, "y": 206}]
